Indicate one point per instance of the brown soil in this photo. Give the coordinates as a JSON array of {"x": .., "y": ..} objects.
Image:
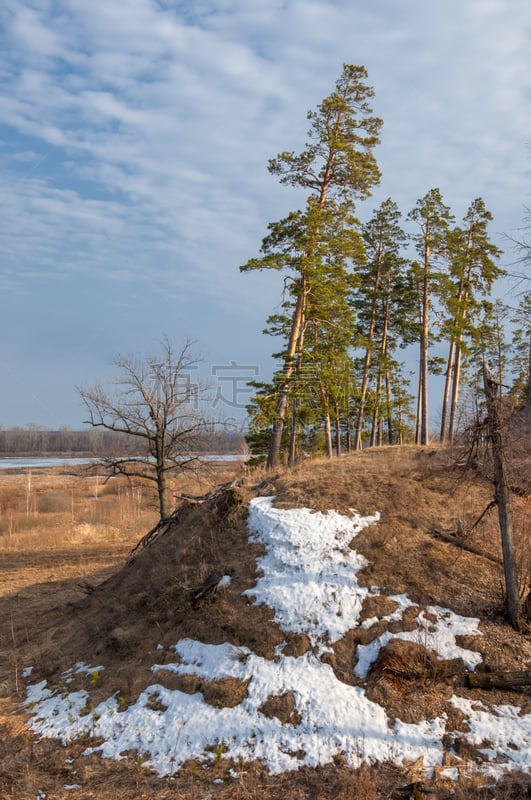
[{"x": 136, "y": 605}]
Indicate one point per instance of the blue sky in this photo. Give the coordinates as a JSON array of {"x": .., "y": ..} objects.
[{"x": 134, "y": 140}]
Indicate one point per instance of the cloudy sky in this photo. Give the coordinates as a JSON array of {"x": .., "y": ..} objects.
[{"x": 134, "y": 140}]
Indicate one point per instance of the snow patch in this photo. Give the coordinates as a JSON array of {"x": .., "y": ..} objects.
[
  {"x": 498, "y": 732},
  {"x": 439, "y": 636},
  {"x": 309, "y": 570}
]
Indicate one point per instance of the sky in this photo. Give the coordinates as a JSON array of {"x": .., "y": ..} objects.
[
  {"x": 307, "y": 575},
  {"x": 134, "y": 142}
]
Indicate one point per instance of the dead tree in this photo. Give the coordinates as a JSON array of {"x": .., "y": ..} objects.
[
  {"x": 502, "y": 495},
  {"x": 498, "y": 680},
  {"x": 157, "y": 403}
]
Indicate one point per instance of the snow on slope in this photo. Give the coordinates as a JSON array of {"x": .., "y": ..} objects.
[{"x": 309, "y": 578}]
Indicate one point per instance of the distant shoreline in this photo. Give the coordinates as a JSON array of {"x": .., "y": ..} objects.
[{"x": 22, "y": 462}]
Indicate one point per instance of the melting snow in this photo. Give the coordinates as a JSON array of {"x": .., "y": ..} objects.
[
  {"x": 309, "y": 578},
  {"x": 504, "y": 733},
  {"x": 438, "y": 636}
]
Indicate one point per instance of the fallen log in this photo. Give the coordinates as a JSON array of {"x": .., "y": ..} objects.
[
  {"x": 498, "y": 680},
  {"x": 208, "y": 588},
  {"x": 453, "y": 539}
]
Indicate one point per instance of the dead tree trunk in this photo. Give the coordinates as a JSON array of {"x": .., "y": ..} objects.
[
  {"x": 498, "y": 680},
  {"x": 502, "y": 498}
]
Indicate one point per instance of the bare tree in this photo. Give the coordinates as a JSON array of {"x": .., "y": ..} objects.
[
  {"x": 502, "y": 495},
  {"x": 158, "y": 400}
]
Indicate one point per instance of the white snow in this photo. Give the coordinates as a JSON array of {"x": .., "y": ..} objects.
[
  {"x": 402, "y": 603},
  {"x": 309, "y": 569},
  {"x": 309, "y": 578},
  {"x": 438, "y": 635},
  {"x": 504, "y": 733}
]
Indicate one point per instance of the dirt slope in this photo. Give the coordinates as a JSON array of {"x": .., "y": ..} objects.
[{"x": 147, "y": 605}]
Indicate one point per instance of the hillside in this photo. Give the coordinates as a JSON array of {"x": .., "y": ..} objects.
[{"x": 338, "y": 649}]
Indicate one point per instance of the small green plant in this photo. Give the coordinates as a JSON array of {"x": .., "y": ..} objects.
[
  {"x": 94, "y": 677},
  {"x": 141, "y": 760},
  {"x": 89, "y": 709},
  {"x": 218, "y": 751},
  {"x": 63, "y": 689}
]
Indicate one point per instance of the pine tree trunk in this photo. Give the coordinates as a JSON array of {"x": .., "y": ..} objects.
[
  {"x": 455, "y": 393},
  {"x": 446, "y": 395},
  {"x": 328, "y": 436},
  {"x": 283, "y": 395},
  {"x": 338, "y": 430},
  {"x": 374, "y": 424},
  {"x": 384, "y": 361},
  {"x": 293, "y": 435},
  {"x": 400, "y": 439},
  {"x": 295, "y": 407},
  {"x": 363, "y": 397},
  {"x": 348, "y": 423},
  {"x": 419, "y": 410},
  {"x": 367, "y": 361},
  {"x": 424, "y": 419},
  {"x": 389, "y": 410},
  {"x": 375, "y": 414},
  {"x": 327, "y": 425}
]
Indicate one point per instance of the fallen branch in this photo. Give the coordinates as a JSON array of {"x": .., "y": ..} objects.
[
  {"x": 207, "y": 590},
  {"x": 86, "y": 587},
  {"x": 160, "y": 528},
  {"x": 492, "y": 504},
  {"x": 459, "y": 542},
  {"x": 498, "y": 680}
]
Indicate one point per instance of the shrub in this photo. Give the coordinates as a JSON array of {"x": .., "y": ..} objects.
[{"x": 54, "y": 502}]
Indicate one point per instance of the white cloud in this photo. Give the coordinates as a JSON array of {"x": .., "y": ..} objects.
[{"x": 152, "y": 124}]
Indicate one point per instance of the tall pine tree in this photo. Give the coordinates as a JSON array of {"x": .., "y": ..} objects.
[
  {"x": 378, "y": 298},
  {"x": 337, "y": 167},
  {"x": 433, "y": 218},
  {"x": 472, "y": 272}
]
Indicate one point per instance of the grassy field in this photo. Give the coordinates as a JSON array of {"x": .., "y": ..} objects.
[{"x": 60, "y": 530}]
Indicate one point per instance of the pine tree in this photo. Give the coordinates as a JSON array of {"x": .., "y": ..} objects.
[
  {"x": 378, "y": 295},
  {"x": 433, "y": 218},
  {"x": 472, "y": 273},
  {"x": 493, "y": 346},
  {"x": 337, "y": 167},
  {"x": 521, "y": 352}
]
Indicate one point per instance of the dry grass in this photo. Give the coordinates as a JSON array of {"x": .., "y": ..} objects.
[{"x": 48, "y": 549}]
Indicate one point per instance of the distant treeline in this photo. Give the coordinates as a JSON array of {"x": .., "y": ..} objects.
[{"x": 32, "y": 440}]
